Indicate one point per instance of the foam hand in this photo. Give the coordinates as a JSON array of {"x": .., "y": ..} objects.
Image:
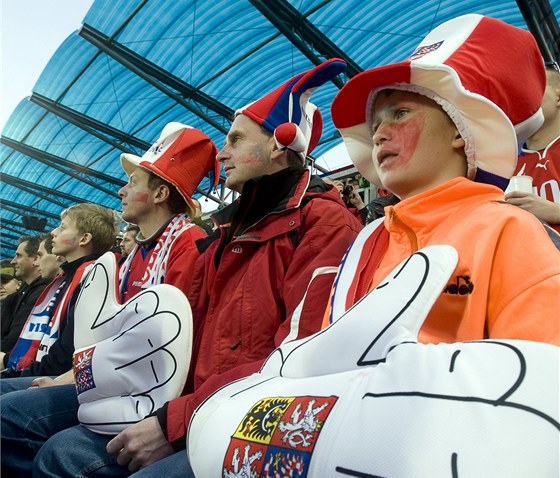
[
  {"x": 390, "y": 314},
  {"x": 374, "y": 402},
  {"x": 130, "y": 358}
]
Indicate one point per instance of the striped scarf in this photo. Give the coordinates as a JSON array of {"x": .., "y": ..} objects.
[
  {"x": 157, "y": 264},
  {"x": 44, "y": 320}
]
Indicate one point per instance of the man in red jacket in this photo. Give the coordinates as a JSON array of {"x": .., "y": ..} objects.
[{"x": 264, "y": 278}]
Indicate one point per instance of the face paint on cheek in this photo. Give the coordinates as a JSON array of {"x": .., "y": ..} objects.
[
  {"x": 409, "y": 134},
  {"x": 141, "y": 197},
  {"x": 69, "y": 242}
]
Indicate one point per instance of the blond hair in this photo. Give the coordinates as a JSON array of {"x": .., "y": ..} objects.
[{"x": 99, "y": 221}]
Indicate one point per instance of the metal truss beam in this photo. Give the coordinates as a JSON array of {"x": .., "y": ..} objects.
[
  {"x": 543, "y": 24},
  {"x": 160, "y": 78},
  {"x": 10, "y": 236},
  {"x": 8, "y": 247},
  {"x": 64, "y": 166},
  {"x": 8, "y": 227},
  {"x": 303, "y": 34},
  {"x": 19, "y": 212},
  {"x": 73, "y": 117},
  {"x": 36, "y": 212},
  {"x": 89, "y": 124},
  {"x": 9, "y": 222},
  {"x": 36, "y": 189}
]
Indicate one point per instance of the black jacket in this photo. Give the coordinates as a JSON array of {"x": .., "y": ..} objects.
[{"x": 15, "y": 311}]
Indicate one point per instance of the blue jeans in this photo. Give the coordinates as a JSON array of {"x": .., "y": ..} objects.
[
  {"x": 174, "y": 466},
  {"x": 40, "y": 432},
  {"x": 8, "y": 385},
  {"x": 78, "y": 453},
  {"x": 29, "y": 419}
]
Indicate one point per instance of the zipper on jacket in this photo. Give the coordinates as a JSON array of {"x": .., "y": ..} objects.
[{"x": 396, "y": 220}]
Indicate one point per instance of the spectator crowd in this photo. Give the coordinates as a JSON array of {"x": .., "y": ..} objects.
[{"x": 295, "y": 252}]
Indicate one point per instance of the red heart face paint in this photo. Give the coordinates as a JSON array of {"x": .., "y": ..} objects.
[
  {"x": 414, "y": 143},
  {"x": 141, "y": 197},
  {"x": 405, "y": 137},
  {"x": 136, "y": 197},
  {"x": 66, "y": 238}
]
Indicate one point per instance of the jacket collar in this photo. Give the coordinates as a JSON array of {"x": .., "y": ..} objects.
[
  {"x": 270, "y": 194},
  {"x": 69, "y": 268},
  {"x": 434, "y": 206},
  {"x": 266, "y": 195}
]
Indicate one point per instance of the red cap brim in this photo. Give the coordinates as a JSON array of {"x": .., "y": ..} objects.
[{"x": 349, "y": 106}]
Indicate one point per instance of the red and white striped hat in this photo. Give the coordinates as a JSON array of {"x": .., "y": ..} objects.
[
  {"x": 471, "y": 66},
  {"x": 182, "y": 156}
]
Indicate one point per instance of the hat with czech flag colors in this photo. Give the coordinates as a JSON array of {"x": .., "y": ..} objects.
[
  {"x": 470, "y": 66},
  {"x": 286, "y": 111},
  {"x": 182, "y": 156}
]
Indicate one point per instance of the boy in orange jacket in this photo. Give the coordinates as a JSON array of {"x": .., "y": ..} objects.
[{"x": 436, "y": 133}]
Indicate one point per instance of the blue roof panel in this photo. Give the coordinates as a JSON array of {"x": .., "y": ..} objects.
[{"x": 228, "y": 52}]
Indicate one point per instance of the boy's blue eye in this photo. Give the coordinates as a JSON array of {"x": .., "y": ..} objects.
[{"x": 400, "y": 113}]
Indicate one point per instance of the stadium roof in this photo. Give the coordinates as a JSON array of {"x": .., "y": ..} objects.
[{"x": 136, "y": 65}]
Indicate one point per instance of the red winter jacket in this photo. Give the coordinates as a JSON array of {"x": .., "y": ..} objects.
[{"x": 266, "y": 279}]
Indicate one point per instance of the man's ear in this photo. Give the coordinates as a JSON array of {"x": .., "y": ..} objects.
[
  {"x": 277, "y": 154},
  {"x": 161, "y": 194}
]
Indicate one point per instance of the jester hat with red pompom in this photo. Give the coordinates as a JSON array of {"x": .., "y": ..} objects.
[{"x": 297, "y": 123}]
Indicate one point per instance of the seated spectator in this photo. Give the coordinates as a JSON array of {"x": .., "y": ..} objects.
[
  {"x": 45, "y": 346},
  {"x": 433, "y": 129},
  {"x": 366, "y": 213},
  {"x": 49, "y": 263},
  {"x": 8, "y": 282},
  {"x": 158, "y": 198},
  {"x": 375, "y": 208},
  {"x": 540, "y": 158},
  {"x": 128, "y": 242},
  {"x": 197, "y": 218},
  {"x": 17, "y": 307},
  {"x": 436, "y": 133}
]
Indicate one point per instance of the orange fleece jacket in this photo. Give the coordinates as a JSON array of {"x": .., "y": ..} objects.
[{"x": 507, "y": 282}]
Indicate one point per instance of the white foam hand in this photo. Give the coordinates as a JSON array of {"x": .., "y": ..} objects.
[
  {"x": 130, "y": 358},
  {"x": 390, "y": 406},
  {"x": 390, "y": 314}
]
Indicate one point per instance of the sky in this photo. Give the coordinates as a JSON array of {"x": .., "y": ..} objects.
[{"x": 31, "y": 31}]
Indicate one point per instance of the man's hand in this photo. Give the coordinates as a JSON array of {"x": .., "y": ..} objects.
[
  {"x": 44, "y": 382},
  {"x": 64, "y": 379},
  {"x": 356, "y": 200},
  {"x": 140, "y": 445},
  {"x": 547, "y": 211}
]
